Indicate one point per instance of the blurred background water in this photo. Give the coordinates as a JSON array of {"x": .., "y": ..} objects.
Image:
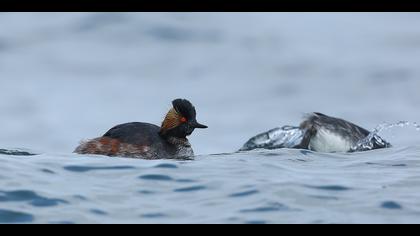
[{"x": 70, "y": 76}]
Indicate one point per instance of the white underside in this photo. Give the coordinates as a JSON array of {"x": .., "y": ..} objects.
[{"x": 327, "y": 141}]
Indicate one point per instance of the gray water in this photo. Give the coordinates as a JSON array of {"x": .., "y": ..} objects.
[{"x": 71, "y": 76}]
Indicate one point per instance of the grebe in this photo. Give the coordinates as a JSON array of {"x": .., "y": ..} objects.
[
  {"x": 148, "y": 141},
  {"x": 320, "y": 133}
]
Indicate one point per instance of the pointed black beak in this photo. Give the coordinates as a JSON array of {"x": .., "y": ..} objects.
[{"x": 197, "y": 125}]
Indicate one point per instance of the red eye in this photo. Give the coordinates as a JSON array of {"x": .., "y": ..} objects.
[{"x": 183, "y": 119}]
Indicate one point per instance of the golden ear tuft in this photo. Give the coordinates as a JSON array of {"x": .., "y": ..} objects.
[{"x": 172, "y": 120}]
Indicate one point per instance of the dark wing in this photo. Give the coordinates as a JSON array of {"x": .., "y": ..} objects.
[{"x": 134, "y": 133}]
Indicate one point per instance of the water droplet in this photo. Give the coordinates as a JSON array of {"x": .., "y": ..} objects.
[{"x": 417, "y": 126}]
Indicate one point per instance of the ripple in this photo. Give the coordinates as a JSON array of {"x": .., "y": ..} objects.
[
  {"x": 146, "y": 192},
  {"x": 31, "y": 197},
  {"x": 306, "y": 152},
  {"x": 399, "y": 165},
  {"x": 330, "y": 187},
  {"x": 64, "y": 222},
  {"x": 174, "y": 34},
  {"x": 391, "y": 205},
  {"x": 325, "y": 197},
  {"x": 185, "y": 180},
  {"x": 47, "y": 202},
  {"x": 98, "y": 212},
  {"x": 379, "y": 164},
  {"x": 47, "y": 171},
  {"x": 244, "y": 194},
  {"x": 153, "y": 215},
  {"x": 191, "y": 189},
  {"x": 80, "y": 197},
  {"x": 256, "y": 222},
  {"x": 93, "y": 168},
  {"x": 156, "y": 177},
  {"x": 270, "y": 208},
  {"x": 16, "y": 153},
  {"x": 166, "y": 166},
  {"x": 269, "y": 154},
  {"x": 7, "y": 216}
]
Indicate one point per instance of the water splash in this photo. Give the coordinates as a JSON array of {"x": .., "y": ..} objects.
[
  {"x": 284, "y": 137},
  {"x": 417, "y": 126},
  {"x": 373, "y": 140}
]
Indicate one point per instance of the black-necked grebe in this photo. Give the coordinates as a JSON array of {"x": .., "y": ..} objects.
[
  {"x": 148, "y": 141},
  {"x": 320, "y": 133}
]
